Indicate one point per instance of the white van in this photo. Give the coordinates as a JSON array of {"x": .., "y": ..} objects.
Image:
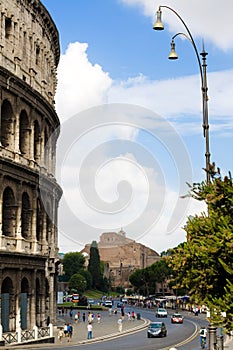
[{"x": 108, "y": 303}]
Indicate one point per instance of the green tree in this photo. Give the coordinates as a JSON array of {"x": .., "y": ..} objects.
[
  {"x": 159, "y": 272},
  {"x": 77, "y": 283},
  {"x": 204, "y": 264},
  {"x": 86, "y": 274},
  {"x": 94, "y": 266},
  {"x": 73, "y": 262}
]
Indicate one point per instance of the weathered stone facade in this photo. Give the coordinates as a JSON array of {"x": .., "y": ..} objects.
[
  {"x": 123, "y": 256},
  {"x": 29, "y": 193}
]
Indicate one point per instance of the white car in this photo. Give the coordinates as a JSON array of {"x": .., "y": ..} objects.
[{"x": 160, "y": 312}]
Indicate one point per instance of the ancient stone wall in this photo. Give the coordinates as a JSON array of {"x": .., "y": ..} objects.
[{"x": 29, "y": 193}]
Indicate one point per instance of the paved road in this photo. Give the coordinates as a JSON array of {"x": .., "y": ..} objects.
[{"x": 108, "y": 329}]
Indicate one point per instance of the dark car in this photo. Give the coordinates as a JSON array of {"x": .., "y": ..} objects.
[
  {"x": 177, "y": 318},
  {"x": 156, "y": 329}
]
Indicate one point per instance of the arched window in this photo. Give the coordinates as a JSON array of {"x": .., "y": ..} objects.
[
  {"x": 24, "y": 302},
  {"x": 38, "y": 305},
  {"x": 37, "y": 138},
  {"x": 24, "y": 134},
  {"x": 7, "y": 125},
  {"x": 39, "y": 221},
  {"x": 8, "y": 213},
  {"x": 46, "y": 147},
  {"x": 26, "y": 216},
  {"x": 7, "y": 303}
]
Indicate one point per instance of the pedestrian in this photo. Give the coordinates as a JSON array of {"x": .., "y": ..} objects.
[
  {"x": 78, "y": 315},
  {"x": 98, "y": 317},
  {"x": 122, "y": 310},
  {"x": 89, "y": 317},
  {"x": 65, "y": 329},
  {"x": 203, "y": 335},
  {"x": 129, "y": 316},
  {"x": 70, "y": 332},
  {"x": 76, "y": 318},
  {"x": 71, "y": 314},
  {"x": 84, "y": 317},
  {"x": 60, "y": 335},
  {"x": 89, "y": 330},
  {"x": 119, "y": 322},
  {"x": 133, "y": 315}
]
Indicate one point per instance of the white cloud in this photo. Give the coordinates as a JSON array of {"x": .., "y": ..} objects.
[
  {"x": 81, "y": 84},
  {"x": 210, "y": 20}
]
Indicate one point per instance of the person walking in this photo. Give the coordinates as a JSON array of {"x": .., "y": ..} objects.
[
  {"x": 70, "y": 332},
  {"x": 84, "y": 317},
  {"x": 203, "y": 335},
  {"x": 119, "y": 322},
  {"x": 98, "y": 317},
  {"x": 60, "y": 335},
  {"x": 89, "y": 330}
]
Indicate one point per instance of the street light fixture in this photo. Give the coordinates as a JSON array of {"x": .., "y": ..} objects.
[{"x": 173, "y": 55}]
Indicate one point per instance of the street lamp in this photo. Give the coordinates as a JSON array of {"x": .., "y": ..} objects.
[{"x": 173, "y": 55}]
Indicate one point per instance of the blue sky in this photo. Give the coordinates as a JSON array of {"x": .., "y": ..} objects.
[{"x": 111, "y": 55}]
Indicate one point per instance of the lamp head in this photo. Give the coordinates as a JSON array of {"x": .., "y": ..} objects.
[
  {"x": 173, "y": 55},
  {"x": 158, "y": 25}
]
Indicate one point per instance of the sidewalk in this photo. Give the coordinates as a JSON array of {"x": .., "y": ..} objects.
[{"x": 107, "y": 327}]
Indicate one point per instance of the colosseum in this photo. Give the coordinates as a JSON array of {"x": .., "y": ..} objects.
[{"x": 29, "y": 196}]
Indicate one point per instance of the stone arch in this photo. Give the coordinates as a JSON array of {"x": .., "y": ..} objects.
[
  {"x": 7, "y": 125},
  {"x": 9, "y": 210},
  {"x": 39, "y": 220},
  {"x": 8, "y": 305},
  {"x": 24, "y": 134},
  {"x": 37, "y": 140},
  {"x": 24, "y": 303},
  {"x": 26, "y": 216}
]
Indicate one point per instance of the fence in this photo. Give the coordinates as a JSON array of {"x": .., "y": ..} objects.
[{"x": 21, "y": 336}]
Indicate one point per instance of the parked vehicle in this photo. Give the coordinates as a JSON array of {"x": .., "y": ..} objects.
[
  {"x": 108, "y": 303},
  {"x": 177, "y": 318},
  {"x": 160, "y": 312},
  {"x": 156, "y": 329}
]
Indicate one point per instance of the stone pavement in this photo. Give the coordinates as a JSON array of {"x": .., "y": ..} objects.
[{"x": 108, "y": 327}]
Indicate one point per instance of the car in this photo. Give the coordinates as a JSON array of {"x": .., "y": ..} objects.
[
  {"x": 161, "y": 312},
  {"x": 91, "y": 301},
  {"x": 108, "y": 303},
  {"x": 156, "y": 329},
  {"x": 177, "y": 318}
]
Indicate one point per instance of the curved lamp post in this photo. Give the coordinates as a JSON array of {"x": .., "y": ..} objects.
[{"x": 173, "y": 55}]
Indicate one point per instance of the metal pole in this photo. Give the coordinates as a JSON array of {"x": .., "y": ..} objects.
[
  {"x": 212, "y": 337},
  {"x": 205, "y": 114}
]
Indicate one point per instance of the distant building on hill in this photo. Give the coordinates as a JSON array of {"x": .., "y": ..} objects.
[{"x": 122, "y": 256}]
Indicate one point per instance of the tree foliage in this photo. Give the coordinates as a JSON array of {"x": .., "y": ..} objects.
[
  {"x": 73, "y": 262},
  {"x": 94, "y": 266},
  {"x": 144, "y": 280},
  {"x": 204, "y": 264},
  {"x": 77, "y": 283}
]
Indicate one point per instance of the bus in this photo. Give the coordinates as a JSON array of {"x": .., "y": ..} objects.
[{"x": 75, "y": 298}]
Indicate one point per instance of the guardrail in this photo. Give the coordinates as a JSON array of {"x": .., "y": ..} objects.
[{"x": 21, "y": 336}]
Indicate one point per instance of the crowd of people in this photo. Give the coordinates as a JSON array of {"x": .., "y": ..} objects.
[{"x": 65, "y": 332}]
